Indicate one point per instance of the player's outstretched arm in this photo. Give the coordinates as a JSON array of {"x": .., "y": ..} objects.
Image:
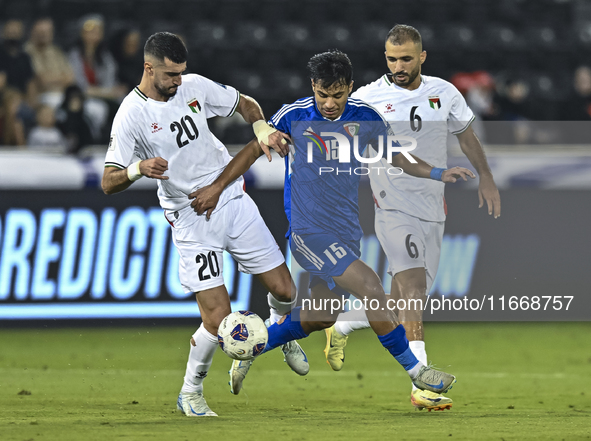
[
  {"x": 487, "y": 189},
  {"x": 421, "y": 169},
  {"x": 206, "y": 199},
  {"x": 116, "y": 180},
  {"x": 267, "y": 136}
]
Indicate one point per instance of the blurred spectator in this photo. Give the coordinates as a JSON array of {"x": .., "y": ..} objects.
[
  {"x": 126, "y": 48},
  {"x": 479, "y": 92},
  {"x": 577, "y": 107},
  {"x": 516, "y": 104},
  {"x": 95, "y": 72},
  {"x": 16, "y": 63},
  {"x": 45, "y": 133},
  {"x": 73, "y": 121},
  {"x": 50, "y": 63},
  {"x": 12, "y": 129},
  {"x": 95, "y": 69}
]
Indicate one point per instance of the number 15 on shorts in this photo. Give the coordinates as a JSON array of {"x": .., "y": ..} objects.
[{"x": 334, "y": 252}]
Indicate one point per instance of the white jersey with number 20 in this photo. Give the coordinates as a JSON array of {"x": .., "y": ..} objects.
[{"x": 177, "y": 131}]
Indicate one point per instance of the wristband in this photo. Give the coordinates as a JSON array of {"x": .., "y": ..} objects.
[
  {"x": 133, "y": 171},
  {"x": 262, "y": 130},
  {"x": 436, "y": 173}
]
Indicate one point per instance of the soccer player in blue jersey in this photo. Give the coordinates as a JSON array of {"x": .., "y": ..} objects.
[{"x": 321, "y": 205}]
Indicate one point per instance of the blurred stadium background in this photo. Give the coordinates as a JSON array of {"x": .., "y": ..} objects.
[
  {"x": 520, "y": 63},
  {"x": 71, "y": 256}
]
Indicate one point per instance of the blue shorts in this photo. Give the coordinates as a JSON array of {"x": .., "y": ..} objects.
[{"x": 324, "y": 256}]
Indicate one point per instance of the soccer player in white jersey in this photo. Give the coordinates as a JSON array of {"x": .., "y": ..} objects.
[
  {"x": 160, "y": 131},
  {"x": 410, "y": 212}
]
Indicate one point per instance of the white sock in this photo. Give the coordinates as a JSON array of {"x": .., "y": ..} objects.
[
  {"x": 273, "y": 316},
  {"x": 413, "y": 372},
  {"x": 278, "y": 309},
  {"x": 200, "y": 358},
  {"x": 418, "y": 349},
  {"x": 350, "y": 321}
]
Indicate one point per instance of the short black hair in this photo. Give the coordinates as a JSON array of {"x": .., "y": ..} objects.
[
  {"x": 401, "y": 34},
  {"x": 330, "y": 68},
  {"x": 166, "y": 45}
]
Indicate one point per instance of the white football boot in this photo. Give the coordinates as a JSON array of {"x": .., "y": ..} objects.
[
  {"x": 295, "y": 357},
  {"x": 193, "y": 404},
  {"x": 237, "y": 373}
]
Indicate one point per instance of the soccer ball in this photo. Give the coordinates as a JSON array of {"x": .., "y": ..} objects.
[{"x": 242, "y": 335}]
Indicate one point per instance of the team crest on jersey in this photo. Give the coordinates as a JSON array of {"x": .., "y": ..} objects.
[
  {"x": 194, "y": 105},
  {"x": 351, "y": 128},
  {"x": 155, "y": 127},
  {"x": 435, "y": 102},
  {"x": 389, "y": 108}
]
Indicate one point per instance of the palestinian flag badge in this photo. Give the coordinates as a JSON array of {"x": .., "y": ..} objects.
[
  {"x": 435, "y": 102},
  {"x": 194, "y": 105}
]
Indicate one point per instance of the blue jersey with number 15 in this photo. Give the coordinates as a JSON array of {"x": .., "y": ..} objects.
[{"x": 321, "y": 193}]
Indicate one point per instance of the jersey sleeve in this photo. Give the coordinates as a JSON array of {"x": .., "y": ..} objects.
[
  {"x": 122, "y": 142},
  {"x": 220, "y": 100},
  {"x": 460, "y": 115},
  {"x": 282, "y": 120}
]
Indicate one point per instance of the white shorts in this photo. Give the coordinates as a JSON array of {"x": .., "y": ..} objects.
[
  {"x": 237, "y": 228},
  {"x": 409, "y": 242}
]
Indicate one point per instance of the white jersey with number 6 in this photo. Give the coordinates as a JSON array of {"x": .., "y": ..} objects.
[
  {"x": 177, "y": 131},
  {"x": 426, "y": 114}
]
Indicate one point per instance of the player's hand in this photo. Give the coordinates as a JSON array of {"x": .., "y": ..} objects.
[
  {"x": 278, "y": 142},
  {"x": 271, "y": 137},
  {"x": 451, "y": 175},
  {"x": 205, "y": 200},
  {"x": 154, "y": 168},
  {"x": 487, "y": 191}
]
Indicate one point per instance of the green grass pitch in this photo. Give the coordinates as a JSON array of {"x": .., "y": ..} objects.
[{"x": 515, "y": 381}]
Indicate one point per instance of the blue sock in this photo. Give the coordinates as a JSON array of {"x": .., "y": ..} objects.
[
  {"x": 290, "y": 329},
  {"x": 397, "y": 344}
]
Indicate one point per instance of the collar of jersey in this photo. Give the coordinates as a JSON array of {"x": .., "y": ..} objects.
[
  {"x": 141, "y": 94},
  {"x": 145, "y": 97}
]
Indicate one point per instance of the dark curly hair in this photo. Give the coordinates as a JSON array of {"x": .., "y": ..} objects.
[{"x": 330, "y": 68}]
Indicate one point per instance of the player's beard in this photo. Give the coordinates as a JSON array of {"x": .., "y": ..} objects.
[
  {"x": 411, "y": 77},
  {"x": 166, "y": 92}
]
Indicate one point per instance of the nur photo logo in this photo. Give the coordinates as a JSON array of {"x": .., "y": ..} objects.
[{"x": 336, "y": 146}]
